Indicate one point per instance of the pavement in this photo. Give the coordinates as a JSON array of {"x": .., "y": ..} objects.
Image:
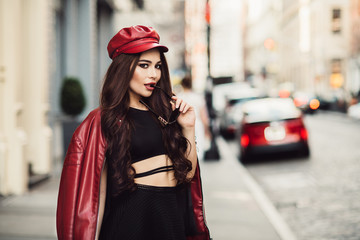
[{"x": 236, "y": 207}]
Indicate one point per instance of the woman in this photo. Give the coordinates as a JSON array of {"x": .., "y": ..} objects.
[{"x": 131, "y": 168}]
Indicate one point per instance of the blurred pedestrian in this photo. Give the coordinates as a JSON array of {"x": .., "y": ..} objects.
[
  {"x": 202, "y": 131},
  {"x": 128, "y": 168}
]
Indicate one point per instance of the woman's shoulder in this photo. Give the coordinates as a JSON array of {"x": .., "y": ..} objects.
[
  {"x": 93, "y": 117},
  {"x": 95, "y": 113},
  {"x": 91, "y": 124}
]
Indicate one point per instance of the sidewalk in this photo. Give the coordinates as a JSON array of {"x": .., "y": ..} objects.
[
  {"x": 235, "y": 207},
  {"x": 32, "y": 215}
]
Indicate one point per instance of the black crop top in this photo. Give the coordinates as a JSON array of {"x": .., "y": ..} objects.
[{"x": 146, "y": 137}]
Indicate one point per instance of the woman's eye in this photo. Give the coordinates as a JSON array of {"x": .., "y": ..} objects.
[
  {"x": 158, "y": 66},
  {"x": 143, "y": 65}
]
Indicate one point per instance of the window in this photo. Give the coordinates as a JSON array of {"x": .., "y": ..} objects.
[
  {"x": 336, "y": 65},
  {"x": 336, "y": 20},
  {"x": 139, "y": 4},
  {"x": 336, "y": 77}
]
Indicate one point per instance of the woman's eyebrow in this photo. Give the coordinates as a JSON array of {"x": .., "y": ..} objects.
[
  {"x": 144, "y": 60},
  {"x": 148, "y": 61}
]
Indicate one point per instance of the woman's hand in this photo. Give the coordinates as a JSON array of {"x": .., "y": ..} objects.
[
  {"x": 186, "y": 120},
  {"x": 187, "y": 117}
]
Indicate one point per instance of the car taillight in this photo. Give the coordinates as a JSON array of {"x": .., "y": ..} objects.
[
  {"x": 303, "y": 134},
  {"x": 314, "y": 104},
  {"x": 244, "y": 141}
]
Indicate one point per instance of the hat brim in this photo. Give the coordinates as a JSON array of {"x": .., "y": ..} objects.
[{"x": 146, "y": 46}]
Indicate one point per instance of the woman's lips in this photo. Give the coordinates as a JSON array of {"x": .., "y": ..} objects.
[{"x": 149, "y": 86}]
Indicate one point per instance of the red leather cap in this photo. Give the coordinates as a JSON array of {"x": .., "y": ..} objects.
[{"x": 134, "y": 39}]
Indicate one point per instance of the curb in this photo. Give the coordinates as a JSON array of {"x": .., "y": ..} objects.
[{"x": 260, "y": 197}]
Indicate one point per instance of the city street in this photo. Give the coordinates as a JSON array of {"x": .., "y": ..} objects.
[
  {"x": 318, "y": 197},
  {"x": 61, "y": 59}
]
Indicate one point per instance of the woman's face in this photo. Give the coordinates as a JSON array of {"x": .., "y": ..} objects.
[{"x": 147, "y": 72}]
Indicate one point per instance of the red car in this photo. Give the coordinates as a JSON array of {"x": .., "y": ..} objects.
[{"x": 272, "y": 125}]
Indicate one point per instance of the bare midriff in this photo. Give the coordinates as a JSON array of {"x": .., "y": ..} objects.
[{"x": 162, "y": 179}]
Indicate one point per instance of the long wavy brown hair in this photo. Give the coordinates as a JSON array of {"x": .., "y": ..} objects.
[{"x": 117, "y": 127}]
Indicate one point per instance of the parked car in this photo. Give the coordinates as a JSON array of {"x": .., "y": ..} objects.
[
  {"x": 305, "y": 101},
  {"x": 354, "y": 111},
  {"x": 272, "y": 125},
  {"x": 222, "y": 92},
  {"x": 328, "y": 101},
  {"x": 231, "y": 117}
]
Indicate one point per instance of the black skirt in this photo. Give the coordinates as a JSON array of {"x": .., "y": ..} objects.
[{"x": 147, "y": 213}]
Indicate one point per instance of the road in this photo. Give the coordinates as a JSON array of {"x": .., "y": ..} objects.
[{"x": 318, "y": 197}]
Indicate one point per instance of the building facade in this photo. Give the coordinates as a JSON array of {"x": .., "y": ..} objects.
[
  {"x": 196, "y": 56},
  {"x": 226, "y": 41},
  {"x": 261, "y": 42},
  {"x": 25, "y": 135},
  {"x": 354, "y": 58},
  {"x": 310, "y": 44},
  {"x": 41, "y": 42},
  {"x": 81, "y": 31},
  {"x": 315, "y": 59}
]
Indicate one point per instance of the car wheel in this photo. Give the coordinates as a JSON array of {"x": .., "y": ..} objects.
[
  {"x": 244, "y": 158},
  {"x": 304, "y": 151}
]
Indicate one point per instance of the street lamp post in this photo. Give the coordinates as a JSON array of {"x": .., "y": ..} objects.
[{"x": 213, "y": 152}]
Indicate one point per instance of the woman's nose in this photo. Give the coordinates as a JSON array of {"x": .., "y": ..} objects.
[{"x": 153, "y": 72}]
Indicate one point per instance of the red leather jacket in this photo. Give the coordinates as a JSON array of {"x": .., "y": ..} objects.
[{"x": 78, "y": 199}]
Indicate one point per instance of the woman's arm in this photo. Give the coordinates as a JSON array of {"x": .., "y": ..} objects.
[
  {"x": 191, "y": 154},
  {"x": 205, "y": 120},
  {"x": 187, "y": 122},
  {"x": 103, "y": 182}
]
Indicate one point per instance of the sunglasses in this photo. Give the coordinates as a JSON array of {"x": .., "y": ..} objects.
[{"x": 174, "y": 114}]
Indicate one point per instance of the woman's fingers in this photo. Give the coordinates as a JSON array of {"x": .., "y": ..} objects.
[
  {"x": 178, "y": 101},
  {"x": 173, "y": 106},
  {"x": 181, "y": 104},
  {"x": 186, "y": 108}
]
